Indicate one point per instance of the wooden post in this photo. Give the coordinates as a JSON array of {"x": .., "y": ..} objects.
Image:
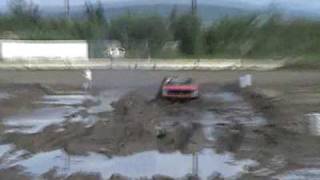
[{"x": 195, "y": 164}]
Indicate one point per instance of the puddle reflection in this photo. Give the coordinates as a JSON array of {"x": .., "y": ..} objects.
[
  {"x": 37, "y": 120},
  {"x": 144, "y": 164}
]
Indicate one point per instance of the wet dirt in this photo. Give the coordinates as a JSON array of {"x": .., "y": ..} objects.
[{"x": 268, "y": 125}]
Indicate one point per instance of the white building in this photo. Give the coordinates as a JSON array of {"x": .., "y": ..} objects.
[{"x": 12, "y": 50}]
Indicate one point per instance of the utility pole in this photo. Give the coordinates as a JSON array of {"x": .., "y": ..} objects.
[
  {"x": 67, "y": 8},
  {"x": 194, "y": 6}
]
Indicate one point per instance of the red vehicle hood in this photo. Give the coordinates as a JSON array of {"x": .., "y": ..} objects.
[{"x": 181, "y": 87}]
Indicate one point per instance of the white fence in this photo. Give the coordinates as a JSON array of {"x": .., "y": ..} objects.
[
  {"x": 13, "y": 50},
  {"x": 140, "y": 64}
]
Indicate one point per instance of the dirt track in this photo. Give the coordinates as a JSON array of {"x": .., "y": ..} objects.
[{"x": 283, "y": 142}]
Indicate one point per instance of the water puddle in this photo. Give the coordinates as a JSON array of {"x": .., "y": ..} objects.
[
  {"x": 4, "y": 95},
  {"x": 251, "y": 121},
  {"x": 223, "y": 96},
  {"x": 301, "y": 174},
  {"x": 214, "y": 125},
  {"x": 105, "y": 100},
  {"x": 89, "y": 121},
  {"x": 210, "y": 124},
  {"x": 314, "y": 123},
  {"x": 60, "y": 108},
  {"x": 235, "y": 109},
  {"x": 66, "y": 99},
  {"x": 144, "y": 164},
  {"x": 5, "y": 148},
  {"x": 36, "y": 121},
  {"x": 8, "y": 155}
]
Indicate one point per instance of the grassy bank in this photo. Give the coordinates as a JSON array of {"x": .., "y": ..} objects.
[{"x": 305, "y": 62}]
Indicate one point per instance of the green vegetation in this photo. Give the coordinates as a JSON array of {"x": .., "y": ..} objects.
[
  {"x": 249, "y": 36},
  {"x": 138, "y": 33}
]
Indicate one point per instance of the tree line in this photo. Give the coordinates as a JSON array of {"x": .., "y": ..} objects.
[{"x": 257, "y": 35}]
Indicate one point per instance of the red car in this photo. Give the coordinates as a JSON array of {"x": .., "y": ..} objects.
[{"x": 179, "y": 88}]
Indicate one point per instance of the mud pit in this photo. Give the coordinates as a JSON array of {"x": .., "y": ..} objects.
[{"x": 116, "y": 132}]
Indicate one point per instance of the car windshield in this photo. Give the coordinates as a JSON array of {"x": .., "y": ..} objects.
[{"x": 179, "y": 81}]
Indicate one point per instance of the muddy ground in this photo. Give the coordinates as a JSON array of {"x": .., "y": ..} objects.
[{"x": 268, "y": 123}]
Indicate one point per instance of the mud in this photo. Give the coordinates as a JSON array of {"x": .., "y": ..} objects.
[
  {"x": 290, "y": 139},
  {"x": 272, "y": 126}
]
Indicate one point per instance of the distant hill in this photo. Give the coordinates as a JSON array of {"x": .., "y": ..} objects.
[
  {"x": 208, "y": 9},
  {"x": 208, "y": 13}
]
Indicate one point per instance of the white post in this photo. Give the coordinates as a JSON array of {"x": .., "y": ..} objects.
[{"x": 245, "y": 81}]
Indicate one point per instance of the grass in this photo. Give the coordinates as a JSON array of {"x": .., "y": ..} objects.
[{"x": 311, "y": 62}]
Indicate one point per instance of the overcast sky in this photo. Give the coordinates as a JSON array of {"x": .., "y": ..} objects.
[{"x": 299, "y": 4}]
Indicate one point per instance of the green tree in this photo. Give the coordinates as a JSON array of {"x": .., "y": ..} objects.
[
  {"x": 187, "y": 30},
  {"x": 210, "y": 40},
  {"x": 25, "y": 11},
  {"x": 173, "y": 14},
  {"x": 137, "y": 32},
  {"x": 95, "y": 13},
  {"x": 96, "y": 24}
]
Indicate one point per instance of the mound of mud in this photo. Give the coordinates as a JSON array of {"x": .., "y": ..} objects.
[
  {"x": 137, "y": 108},
  {"x": 150, "y": 120},
  {"x": 137, "y": 124}
]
